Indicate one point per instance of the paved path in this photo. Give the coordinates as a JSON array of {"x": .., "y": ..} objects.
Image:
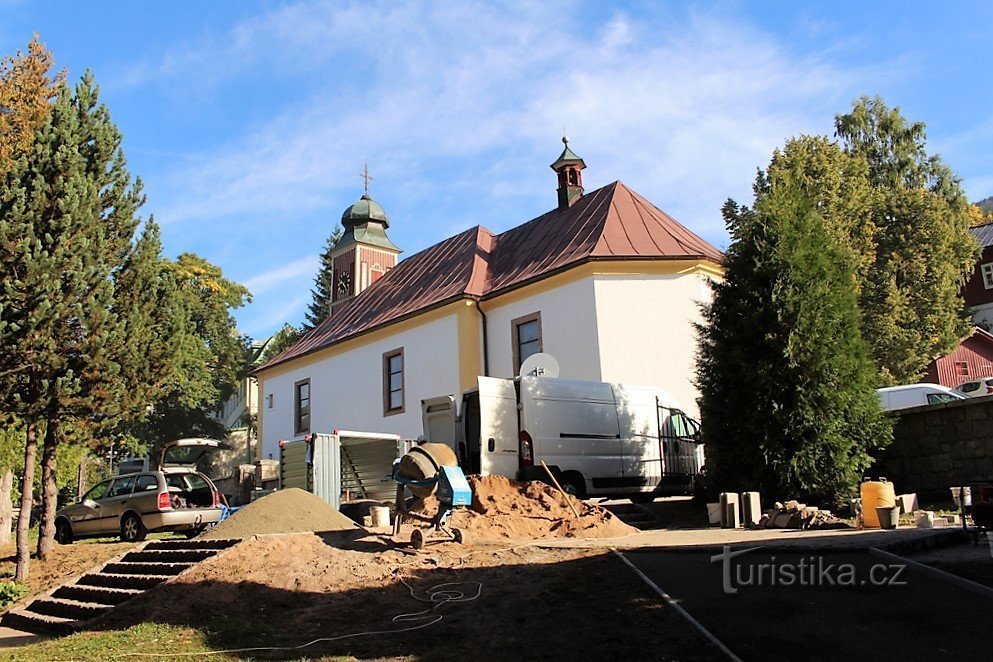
[
  {"x": 11, "y": 638},
  {"x": 714, "y": 538}
]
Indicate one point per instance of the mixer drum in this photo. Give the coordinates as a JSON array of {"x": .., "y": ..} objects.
[{"x": 424, "y": 462}]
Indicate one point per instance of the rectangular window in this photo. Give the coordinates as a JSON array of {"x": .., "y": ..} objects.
[
  {"x": 961, "y": 368},
  {"x": 393, "y": 382},
  {"x": 301, "y": 410},
  {"x": 988, "y": 275},
  {"x": 526, "y": 337}
]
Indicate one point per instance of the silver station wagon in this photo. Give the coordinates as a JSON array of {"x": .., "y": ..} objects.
[{"x": 176, "y": 497}]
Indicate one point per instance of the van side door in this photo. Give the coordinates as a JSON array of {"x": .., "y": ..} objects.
[
  {"x": 573, "y": 426},
  {"x": 638, "y": 422},
  {"x": 498, "y": 427}
]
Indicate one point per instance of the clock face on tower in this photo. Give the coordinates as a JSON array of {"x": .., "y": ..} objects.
[{"x": 344, "y": 283}]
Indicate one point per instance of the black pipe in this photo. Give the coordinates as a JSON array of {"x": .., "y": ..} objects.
[{"x": 486, "y": 350}]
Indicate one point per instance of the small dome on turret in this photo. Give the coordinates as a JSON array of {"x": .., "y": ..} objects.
[{"x": 363, "y": 211}]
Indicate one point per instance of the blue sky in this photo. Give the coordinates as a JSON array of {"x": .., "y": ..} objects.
[{"x": 250, "y": 121}]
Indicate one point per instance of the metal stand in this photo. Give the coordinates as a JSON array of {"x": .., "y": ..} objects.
[{"x": 438, "y": 532}]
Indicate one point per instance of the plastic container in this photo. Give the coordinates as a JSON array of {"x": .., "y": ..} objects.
[
  {"x": 960, "y": 494},
  {"x": 924, "y": 519},
  {"x": 888, "y": 516},
  {"x": 380, "y": 516},
  {"x": 876, "y": 494}
]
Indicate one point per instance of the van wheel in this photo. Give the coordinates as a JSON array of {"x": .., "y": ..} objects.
[
  {"x": 643, "y": 497},
  {"x": 132, "y": 530},
  {"x": 573, "y": 483},
  {"x": 63, "y": 532}
]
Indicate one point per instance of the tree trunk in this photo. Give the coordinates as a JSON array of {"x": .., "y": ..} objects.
[
  {"x": 81, "y": 479},
  {"x": 24, "y": 518},
  {"x": 6, "y": 507},
  {"x": 50, "y": 490}
]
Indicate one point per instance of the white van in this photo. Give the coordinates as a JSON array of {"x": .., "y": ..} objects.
[
  {"x": 916, "y": 395},
  {"x": 598, "y": 438}
]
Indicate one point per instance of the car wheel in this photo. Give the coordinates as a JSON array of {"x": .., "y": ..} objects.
[
  {"x": 132, "y": 530},
  {"x": 63, "y": 532}
]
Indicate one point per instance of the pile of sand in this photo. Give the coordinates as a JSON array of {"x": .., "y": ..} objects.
[
  {"x": 285, "y": 511},
  {"x": 502, "y": 508}
]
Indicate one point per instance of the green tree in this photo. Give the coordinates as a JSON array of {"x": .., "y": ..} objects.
[
  {"x": 69, "y": 210},
  {"x": 921, "y": 251},
  {"x": 211, "y": 357},
  {"x": 785, "y": 321},
  {"x": 323, "y": 292},
  {"x": 282, "y": 340}
]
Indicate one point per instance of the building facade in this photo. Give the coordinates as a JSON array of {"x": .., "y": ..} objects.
[{"x": 606, "y": 283}]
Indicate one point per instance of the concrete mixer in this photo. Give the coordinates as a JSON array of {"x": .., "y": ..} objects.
[{"x": 430, "y": 468}]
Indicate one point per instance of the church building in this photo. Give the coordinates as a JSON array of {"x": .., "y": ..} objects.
[{"x": 606, "y": 283}]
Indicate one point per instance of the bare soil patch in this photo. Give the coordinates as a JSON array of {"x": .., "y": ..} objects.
[
  {"x": 504, "y": 509},
  {"x": 532, "y": 603},
  {"x": 286, "y": 511},
  {"x": 64, "y": 562}
]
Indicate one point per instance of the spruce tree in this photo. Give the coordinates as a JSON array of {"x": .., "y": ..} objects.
[
  {"x": 323, "y": 292},
  {"x": 69, "y": 210},
  {"x": 786, "y": 381}
]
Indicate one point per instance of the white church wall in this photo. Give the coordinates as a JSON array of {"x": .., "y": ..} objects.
[
  {"x": 347, "y": 389},
  {"x": 646, "y": 334},
  {"x": 568, "y": 329}
]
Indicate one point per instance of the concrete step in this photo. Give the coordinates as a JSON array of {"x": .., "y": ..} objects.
[
  {"x": 124, "y": 568},
  {"x": 192, "y": 544},
  {"x": 169, "y": 556},
  {"x": 73, "y": 609},
  {"x": 39, "y": 623},
  {"x": 110, "y": 580},
  {"x": 96, "y": 594}
]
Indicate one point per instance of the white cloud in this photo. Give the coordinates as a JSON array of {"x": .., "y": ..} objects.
[
  {"x": 459, "y": 106},
  {"x": 280, "y": 275}
]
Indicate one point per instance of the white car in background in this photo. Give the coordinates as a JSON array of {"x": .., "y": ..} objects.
[
  {"x": 977, "y": 388},
  {"x": 892, "y": 398}
]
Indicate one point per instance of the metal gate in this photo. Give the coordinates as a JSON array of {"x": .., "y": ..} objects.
[{"x": 682, "y": 453}]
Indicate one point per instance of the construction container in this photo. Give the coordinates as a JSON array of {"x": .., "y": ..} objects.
[
  {"x": 342, "y": 466},
  {"x": 876, "y": 494}
]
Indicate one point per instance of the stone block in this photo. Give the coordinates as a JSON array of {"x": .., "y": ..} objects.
[
  {"x": 941, "y": 463},
  {"x": 977, "y": 412}
]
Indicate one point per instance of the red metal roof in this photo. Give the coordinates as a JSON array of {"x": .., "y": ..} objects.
[{"x": 611, "y": 223}]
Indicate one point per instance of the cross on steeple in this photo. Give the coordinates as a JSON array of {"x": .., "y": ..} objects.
[{"x": 366, "y": 176}]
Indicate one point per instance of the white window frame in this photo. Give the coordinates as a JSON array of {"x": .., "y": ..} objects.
[{"x": 987, "y": 270}]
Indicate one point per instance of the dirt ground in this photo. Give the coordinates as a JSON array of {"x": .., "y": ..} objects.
[
  {"x": 970, "y": 561},
  {"x": 519, "y": 602},
  {"x": 65, "y": 562}
]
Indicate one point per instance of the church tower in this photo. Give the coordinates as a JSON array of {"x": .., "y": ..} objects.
[
  {"x": 364, "y": 253},
  {"x": 569, "y": 169}
]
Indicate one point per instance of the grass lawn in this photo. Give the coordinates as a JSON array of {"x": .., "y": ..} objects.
[{"x": 146, "y": 638}]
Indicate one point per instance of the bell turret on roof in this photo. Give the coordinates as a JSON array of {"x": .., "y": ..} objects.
[
  {"x": 363, "y": 211},
  {"x": 569, "y": 167}
]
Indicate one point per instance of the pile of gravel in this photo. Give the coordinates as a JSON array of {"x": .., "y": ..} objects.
[{"x": 285, "y": 511}]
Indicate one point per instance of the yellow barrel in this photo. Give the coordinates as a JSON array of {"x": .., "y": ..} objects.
[{"x": 876, "y": 494}]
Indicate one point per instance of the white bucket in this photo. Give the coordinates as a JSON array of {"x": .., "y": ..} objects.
[
  {"x": 925, "y": 519},
  {"x": 380, "y": 516},
  {"x": 965, "y": 496}
]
